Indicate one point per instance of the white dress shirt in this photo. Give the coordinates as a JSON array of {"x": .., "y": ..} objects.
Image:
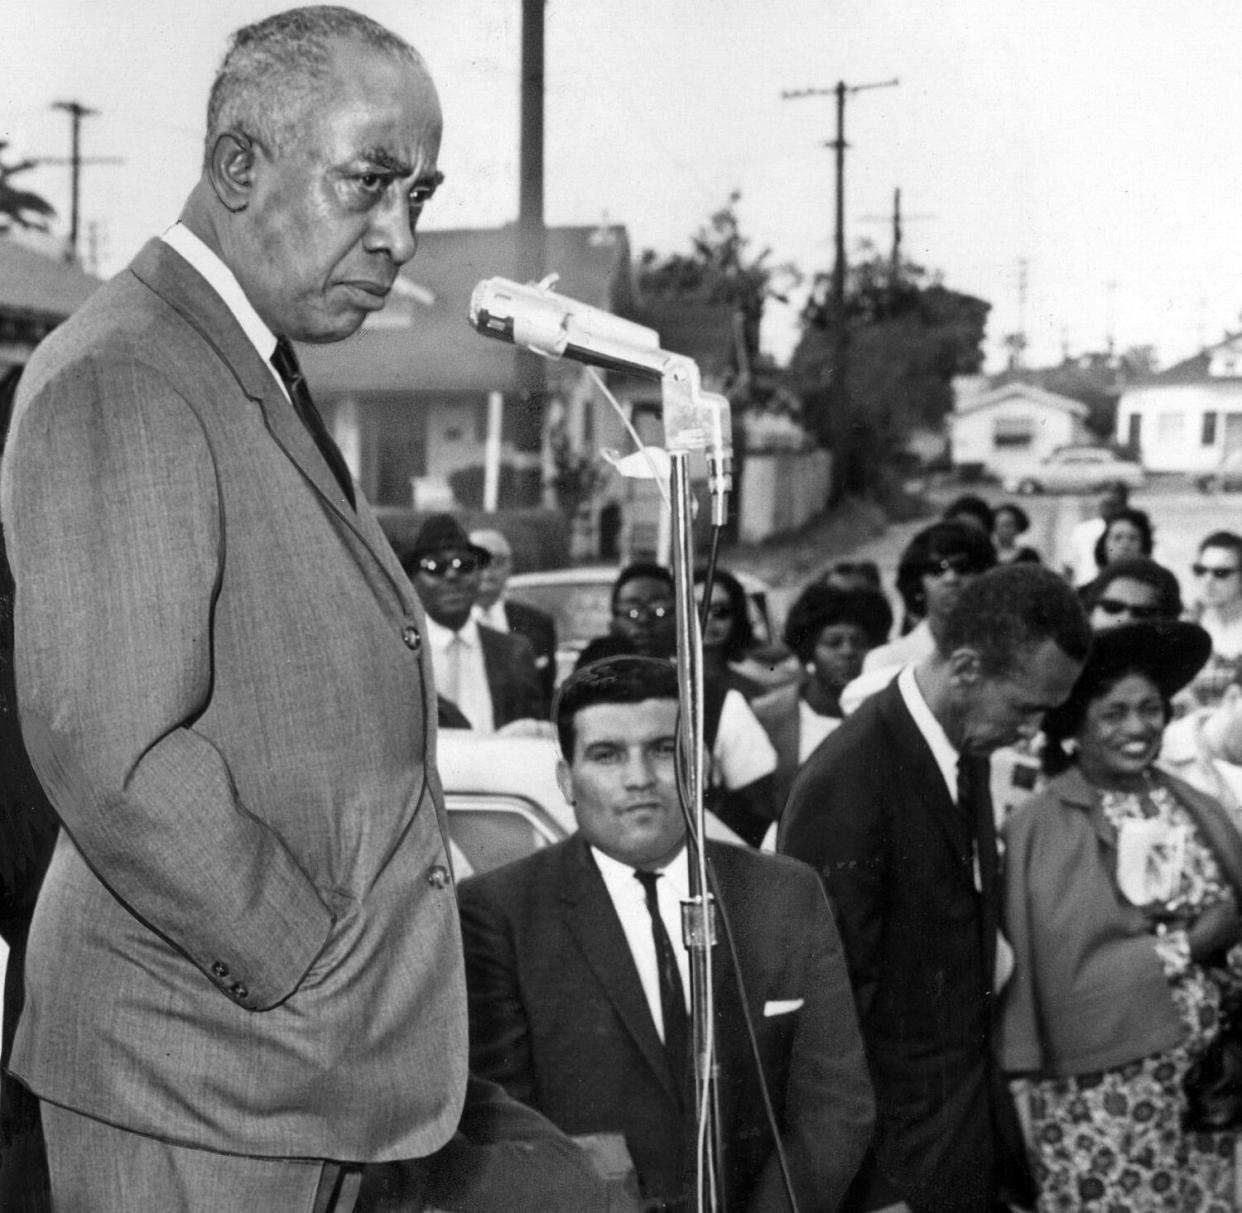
[
  {"x": 221, "y": 280},
  {"x": 630, "y": 902},
  {"x": 474, "y": 696},
  {"x": 493, "y": 616},
  {"x": 930, "y": 728}
]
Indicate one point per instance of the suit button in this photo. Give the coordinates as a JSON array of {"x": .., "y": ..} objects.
[
  {"x": 219, "y": 969},
  {"x": 413, "y": 641},
  {"x": 438, "y": 877},
  {"x": 239, "y": 991}
]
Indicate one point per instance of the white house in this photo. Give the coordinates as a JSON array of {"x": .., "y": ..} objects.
[
  {"x": 1008, "y": 430},
  {"x": 1186, "y": 419}
]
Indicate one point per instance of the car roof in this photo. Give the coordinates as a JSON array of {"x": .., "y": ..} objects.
[
  {"x": 606, "y": 574},
  {"x": 485, "y": 764}
]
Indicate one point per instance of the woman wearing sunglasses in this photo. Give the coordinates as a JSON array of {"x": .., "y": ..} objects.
[
  {"x": 1134, "y": 589},
  {"x": 1218, "y": 610}
]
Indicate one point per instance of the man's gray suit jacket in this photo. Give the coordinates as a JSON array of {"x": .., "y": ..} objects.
[{"x": 248, "y": 937}]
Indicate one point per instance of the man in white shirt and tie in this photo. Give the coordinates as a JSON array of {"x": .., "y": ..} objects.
[
  {"x": 488, "y": 676},
  {"x": 578, "y": 975},
  {"x": 497, "y": 611}
]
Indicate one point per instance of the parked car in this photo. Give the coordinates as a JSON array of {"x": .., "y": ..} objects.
[
  {"x": 1226, "y": 477},
  {"x": 579, "y": 599},
  {"x": 1077, "y": 469},
  {"x": 503, "y": 800}
]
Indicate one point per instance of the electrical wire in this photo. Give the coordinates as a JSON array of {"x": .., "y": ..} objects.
[
  {"x": 661, "y": 480},
  {"x": 683, "y": 789}
]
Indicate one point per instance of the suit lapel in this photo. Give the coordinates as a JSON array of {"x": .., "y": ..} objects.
[
  {"x": 495, "y": 672},
  {"x": 171, "y": 277},
  {"x": 921, "y": 776},
  {"x": 593, "y": 923}
]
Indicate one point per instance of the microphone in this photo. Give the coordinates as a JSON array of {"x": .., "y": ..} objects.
[{"x": 538, "y": 319}]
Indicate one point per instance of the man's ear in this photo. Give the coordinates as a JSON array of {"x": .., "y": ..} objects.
[
  {"x": 231, "y": 170},
  {"x": 564, "y": 780},
  {"x": 965, "y": 666}
]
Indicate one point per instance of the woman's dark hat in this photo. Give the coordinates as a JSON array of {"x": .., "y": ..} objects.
[
  {"x": 1168, "y": 651},
  {"x": 443, "y": 533}
]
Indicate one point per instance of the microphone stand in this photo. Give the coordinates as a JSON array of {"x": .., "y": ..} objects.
[
  {"x": 535, "y": 318},
  {"x": 698, "y": 922}
]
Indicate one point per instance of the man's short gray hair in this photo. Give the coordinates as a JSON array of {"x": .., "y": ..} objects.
[{"x": 272, "y": 69}]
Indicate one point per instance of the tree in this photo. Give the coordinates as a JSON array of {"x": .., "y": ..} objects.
[
  {"x": 22, "y": 208},
  {"x": 909, "y": 335},
  {"x": 719, "y": 269}
]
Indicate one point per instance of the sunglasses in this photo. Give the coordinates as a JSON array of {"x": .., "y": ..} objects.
[
  {"x": 441, "y": 566},
  {"x": 646, "y": 611},
  {"x": 1114, "y": 606},
  {"x": 963, "y": 566},
  {"x": 719, "y": 610},
  {"x": 1212, "y": 570}
]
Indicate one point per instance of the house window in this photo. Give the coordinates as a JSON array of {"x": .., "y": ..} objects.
[
  {"x": 1170, "y": 428},
  {"x": 1010, "y": 432},
  {"x": 1134, "y": 434},
  {"x": 1208, "y": 436}
]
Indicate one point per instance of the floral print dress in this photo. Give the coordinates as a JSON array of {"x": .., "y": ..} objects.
[{"x": 1112, "y": 1141}]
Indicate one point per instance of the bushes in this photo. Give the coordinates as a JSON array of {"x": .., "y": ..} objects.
[{"x": 518, "y": 486}]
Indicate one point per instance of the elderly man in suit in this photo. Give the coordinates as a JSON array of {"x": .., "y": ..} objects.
[
  {"x": 893, "y": 810},
  {"x": 244, "y": 971},
  {"x": 504, "y": 614},
  {"x": 488, "y": 676},
  {"x": 578, "y": 979}
]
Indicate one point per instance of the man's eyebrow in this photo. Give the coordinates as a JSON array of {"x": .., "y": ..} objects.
[{"x": 385, "y": 160}]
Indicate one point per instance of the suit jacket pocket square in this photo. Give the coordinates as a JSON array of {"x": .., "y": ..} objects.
[{"x": 780, "y": 1006}]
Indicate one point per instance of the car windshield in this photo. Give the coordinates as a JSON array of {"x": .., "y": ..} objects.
[{"x": 581, "y": 608}]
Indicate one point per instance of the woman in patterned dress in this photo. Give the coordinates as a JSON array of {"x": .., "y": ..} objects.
[{"x": 1122, "y": 888}]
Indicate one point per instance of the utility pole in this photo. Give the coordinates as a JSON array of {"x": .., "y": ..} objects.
[
  {"x": 532, "y": 240},
  {"x": 896, "y": 219},
  {"x": 1110, "y": 338},
  {"x": 76, "y": 111},
  {"x": 840, "y": 328}
]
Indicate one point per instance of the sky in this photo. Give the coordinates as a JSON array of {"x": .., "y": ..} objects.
[{"x": 1076, "y": 163}]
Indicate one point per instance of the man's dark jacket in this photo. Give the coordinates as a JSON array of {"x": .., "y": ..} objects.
[
  {"x": 511, "y": 677},
  {"x": 538, "y": 628},
  {"x": 559, "y": 1018},
  {"x": 871, "y": 813}
]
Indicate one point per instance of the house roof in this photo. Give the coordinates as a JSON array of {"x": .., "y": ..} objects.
[
  {"x": 422, "y": 341},
  {"x": 1189, "y": 370},
  {"x": 34, "y": 285},
  {"x": 1079, "y": 379},
  {"x": 1026, "y": 392}
]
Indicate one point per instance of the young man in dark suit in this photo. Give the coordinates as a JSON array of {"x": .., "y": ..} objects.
[
  {"x": 893, "y": 811},
  {"x": 577, "y": 974}
]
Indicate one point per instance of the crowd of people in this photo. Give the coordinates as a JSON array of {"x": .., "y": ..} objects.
[
  {"x": 986, "y": 968},
  {"x": 1027, "y": 1027}
]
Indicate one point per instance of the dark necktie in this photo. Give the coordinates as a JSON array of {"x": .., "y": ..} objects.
[
  {"x": 974, "y": 801},
  {"x": 672, "y": 995},
  {"x": 286, "y": 363}
]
